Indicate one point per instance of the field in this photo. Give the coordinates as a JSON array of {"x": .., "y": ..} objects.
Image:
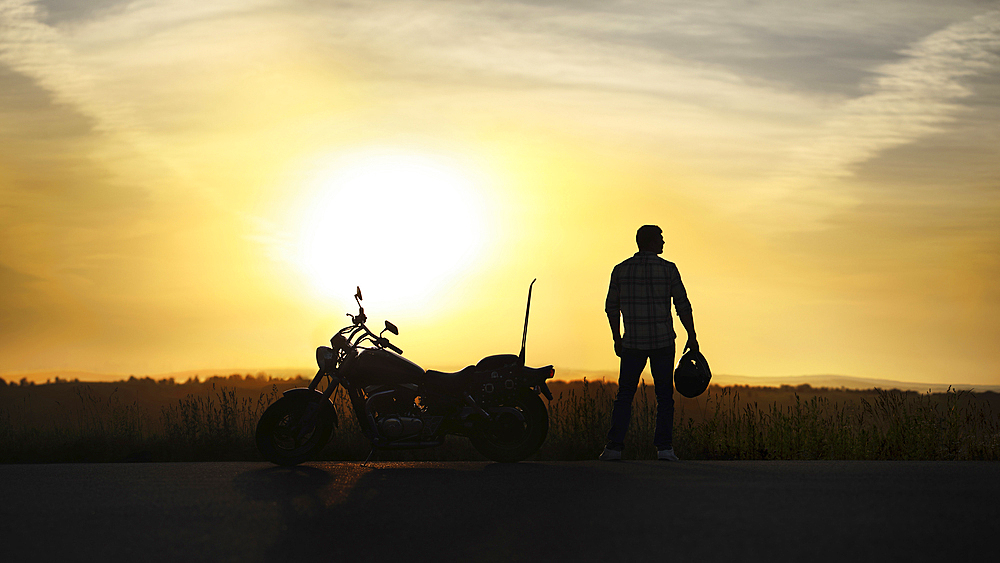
[{"x": 148, "y": 420}]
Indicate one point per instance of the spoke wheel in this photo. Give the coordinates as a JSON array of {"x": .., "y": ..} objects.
[
  {"x": 513, "y": 436},
  {"x": 293, "y": 430}
]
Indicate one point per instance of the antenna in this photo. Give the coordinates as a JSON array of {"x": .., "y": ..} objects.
[{"x": 524, "y": 337}]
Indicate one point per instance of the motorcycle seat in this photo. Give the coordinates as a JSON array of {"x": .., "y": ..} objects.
[
  {"x": 445, "y": 376},
  {"x": 453, "y": 381}
]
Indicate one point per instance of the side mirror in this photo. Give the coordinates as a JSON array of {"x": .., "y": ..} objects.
[
  {"x": 358, "y": 294},
  {"x": 391, "y": 328}
]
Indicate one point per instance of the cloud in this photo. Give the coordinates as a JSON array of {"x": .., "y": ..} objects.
[
  {"x": 114, "y": 66},
  {"x": 701, "y": 76},
  {"x": 715, "y": 85},
  {"x": 909, "y": 99},
  {"x": 37, "y": 50},
  {"x": 718, "y": 85}
]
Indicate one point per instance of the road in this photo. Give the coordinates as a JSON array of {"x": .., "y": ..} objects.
[{"x": 484, "y": 512}]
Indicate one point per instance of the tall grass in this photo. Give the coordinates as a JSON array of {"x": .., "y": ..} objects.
[
  {"x": 218, "y": 424},
  {"x": 103, "y": 428},
  {"x": 894, "y": 425}
]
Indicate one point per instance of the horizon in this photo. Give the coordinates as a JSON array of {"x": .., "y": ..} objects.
[
  {"x": 185, "y": 183},
  {"x": 563, "y": 375}
]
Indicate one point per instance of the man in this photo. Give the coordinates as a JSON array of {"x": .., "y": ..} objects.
[{"x": 640, "y": 292}]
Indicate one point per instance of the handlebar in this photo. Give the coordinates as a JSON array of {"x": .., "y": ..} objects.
[{"x": 359, "y": 326}]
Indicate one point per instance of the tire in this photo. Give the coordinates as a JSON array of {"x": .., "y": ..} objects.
[
  {"x": 282, "y": 439},
  {"x": 507, "y": 439}
]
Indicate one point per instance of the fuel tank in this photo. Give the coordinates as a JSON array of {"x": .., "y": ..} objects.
[{"x": 380, "y": 367}]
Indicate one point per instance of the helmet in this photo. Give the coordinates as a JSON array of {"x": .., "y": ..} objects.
[{"x": 692, "y": 374}]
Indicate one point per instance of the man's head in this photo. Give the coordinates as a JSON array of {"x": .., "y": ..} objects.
[{"x": 649, "y": 238}]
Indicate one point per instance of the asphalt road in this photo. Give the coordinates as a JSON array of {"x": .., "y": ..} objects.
[{"x": 429, "y": 511}]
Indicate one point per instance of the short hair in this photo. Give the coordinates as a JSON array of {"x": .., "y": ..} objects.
[{"x": 646, "y": 235}]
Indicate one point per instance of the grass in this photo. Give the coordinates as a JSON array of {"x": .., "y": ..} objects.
[
  {"x": 891, "y": 425},
  {"x": 142, "y": 420},
  {"x": 216, "y": 426}
]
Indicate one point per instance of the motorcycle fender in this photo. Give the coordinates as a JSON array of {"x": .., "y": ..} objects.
[
  {"x": 536, "y": 377},
  {"x": 325, "y": 404}
]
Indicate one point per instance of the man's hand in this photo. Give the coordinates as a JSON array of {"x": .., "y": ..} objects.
[
  {"x": 614, "y": 320},
  {"x": 687, "y": 319}
]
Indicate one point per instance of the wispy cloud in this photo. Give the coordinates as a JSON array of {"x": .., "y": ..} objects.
[
  {"x": 630, "y": 62},
  {"x": 625, "y": 59},
  {"x": 909, "y": 99},
  {"x": 679, "y": 79},
  {"x": 41, "y": 52},
  {"x": 111, "y": 68}
]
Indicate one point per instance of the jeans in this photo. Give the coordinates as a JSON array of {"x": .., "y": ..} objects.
[{"x": 661, "y": 363}]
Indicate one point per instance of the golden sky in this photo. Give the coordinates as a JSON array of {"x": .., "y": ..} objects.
[{"x": 194, "y": 184}]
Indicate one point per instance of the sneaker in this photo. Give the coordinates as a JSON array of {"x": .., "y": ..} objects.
[
  {"x": 667, "y": 455},
  {"x": 611, "y": 455}
]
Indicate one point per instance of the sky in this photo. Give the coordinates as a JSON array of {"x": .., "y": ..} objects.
[{"x": 201, "y": 184}]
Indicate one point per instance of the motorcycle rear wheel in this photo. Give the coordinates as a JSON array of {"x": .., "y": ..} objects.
[
  {"x": 507, "y": 439},
  {"x": 284, "y": 439}
]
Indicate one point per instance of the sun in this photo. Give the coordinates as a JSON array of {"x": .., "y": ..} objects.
[{"x": 403, "y": 227}]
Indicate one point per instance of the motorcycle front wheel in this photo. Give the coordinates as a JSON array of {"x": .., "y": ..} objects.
[
  {"x": 511, "y": 437},
  {"x": 293, "y": 430}
]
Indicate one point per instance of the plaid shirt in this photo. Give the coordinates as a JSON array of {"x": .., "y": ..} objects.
[{"x": 641, "y": 288}]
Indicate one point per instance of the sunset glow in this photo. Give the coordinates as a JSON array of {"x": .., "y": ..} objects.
[
  {"x": 401, "y": 226},
  {"x": 199, "y": 185}
]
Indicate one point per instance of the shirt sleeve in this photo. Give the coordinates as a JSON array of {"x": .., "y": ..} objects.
[
  {"x": 681, "y": 302},
  {"x": 611, "y": 304}
]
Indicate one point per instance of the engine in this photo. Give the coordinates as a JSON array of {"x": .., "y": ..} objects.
[
  {"x": 392, "y": 407},
  {"x": 399, "y": 426}
]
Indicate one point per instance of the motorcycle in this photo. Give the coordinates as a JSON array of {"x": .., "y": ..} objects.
[{"x": 399, "y": 405}]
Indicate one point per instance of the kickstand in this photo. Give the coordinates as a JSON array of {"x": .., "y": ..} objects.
[{"x": 367, "y": 459}]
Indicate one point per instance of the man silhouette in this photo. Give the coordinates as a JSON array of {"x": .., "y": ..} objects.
[{"x": 640, "y": 293}]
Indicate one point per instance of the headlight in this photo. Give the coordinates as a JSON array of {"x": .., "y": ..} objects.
[{"x": 324, "y": 356}]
